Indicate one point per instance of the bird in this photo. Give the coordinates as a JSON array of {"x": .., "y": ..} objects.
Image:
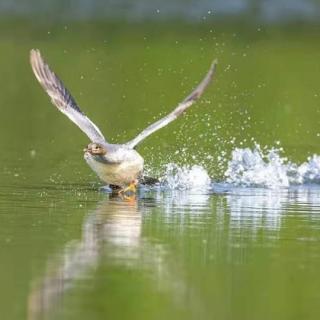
[{"x": 118, "y": 165}]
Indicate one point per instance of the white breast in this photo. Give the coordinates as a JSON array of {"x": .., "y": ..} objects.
[{"x": 120, "y": 174}]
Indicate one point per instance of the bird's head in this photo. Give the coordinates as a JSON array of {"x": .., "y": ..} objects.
[{"x": 95, "y": 149}]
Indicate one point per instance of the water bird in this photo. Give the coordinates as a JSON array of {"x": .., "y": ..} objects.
[{"x": 118, "y": 165}]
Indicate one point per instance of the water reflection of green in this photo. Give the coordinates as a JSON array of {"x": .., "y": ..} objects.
[{"x": 184, "y": 257}]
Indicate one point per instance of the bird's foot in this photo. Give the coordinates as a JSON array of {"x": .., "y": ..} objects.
[
  {"x": 132, "y": 187},
  {"x": 130, "y": 191}
]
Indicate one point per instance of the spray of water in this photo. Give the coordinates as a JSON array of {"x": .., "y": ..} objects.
[
  {"x": 258, "y": 168},
  {"x": 247, "y": 167}
]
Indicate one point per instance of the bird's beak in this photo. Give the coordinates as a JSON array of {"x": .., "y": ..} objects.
[{"x": 88, "y": 148}]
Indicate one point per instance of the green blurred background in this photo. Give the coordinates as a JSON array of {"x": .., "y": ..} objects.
[
  {"x": 122, "y": 73},
  {"x": 127, "y": 63}
]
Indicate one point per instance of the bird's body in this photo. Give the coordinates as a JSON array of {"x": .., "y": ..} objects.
[{"x": 118, "y": 165}]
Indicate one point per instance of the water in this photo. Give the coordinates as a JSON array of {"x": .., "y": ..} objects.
[
  {"x": 182, "y": 254},
  {"x": 232, "y": 232}
]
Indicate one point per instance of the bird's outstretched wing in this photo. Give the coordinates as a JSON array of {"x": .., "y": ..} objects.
[
  {"x": 185, "y": 104},
  {"x": 61, "y": 97}
]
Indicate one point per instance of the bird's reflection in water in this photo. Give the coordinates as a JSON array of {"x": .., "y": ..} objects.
[
  {"x": 114, "y": 223},
  {"x": 112, "y": 231}
]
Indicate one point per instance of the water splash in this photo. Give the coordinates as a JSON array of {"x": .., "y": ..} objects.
[
  {"x": 185, "y": 178},
  {"x": 254, "y": 168},
  {"x": 258, "y": 168},
  {"x": 310, "y": 171}
]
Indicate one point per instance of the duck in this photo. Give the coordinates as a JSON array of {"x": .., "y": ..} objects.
[{"x": 118, "y": 165}]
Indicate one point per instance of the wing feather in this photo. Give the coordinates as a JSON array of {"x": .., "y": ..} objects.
[
  {"x": 61, "y": 97},
  {"x": 182, "y": 106}
]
